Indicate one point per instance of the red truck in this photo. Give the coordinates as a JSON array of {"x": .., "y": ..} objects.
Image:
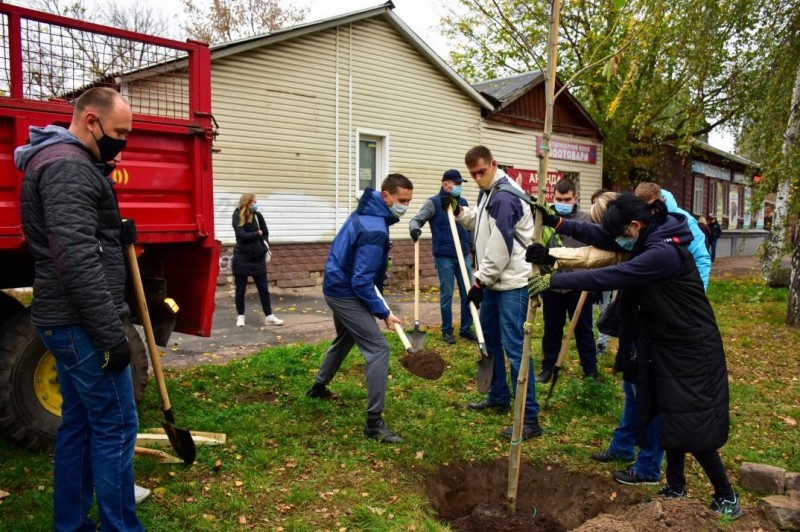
[{"x": 164, "y": 183}]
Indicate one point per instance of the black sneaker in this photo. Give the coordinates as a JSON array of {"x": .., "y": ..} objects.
[
  {"x": 448, "y": 338},
  {"x": 530, "y": 429},
  {"x": 607, "y": 456},
  {"x": 487, "y": 404},
  {"x": 631, "y": 477},
  {"x": 544, "y": 376},
  {"x": 729, "y": 508},
  {"x": 320, "y": 391},
  {"x": 469, "y": 336},
  {"x": 381, "y": 433},
  {"x": 668, "y": 491}
]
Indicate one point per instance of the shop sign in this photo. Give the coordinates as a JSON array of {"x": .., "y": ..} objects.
[
  {"x": 740, "y": 178},
  {"x": 529, "y": 181},
  {"x": 710, "y": 170},
  {"x": 570, "y": 151}
]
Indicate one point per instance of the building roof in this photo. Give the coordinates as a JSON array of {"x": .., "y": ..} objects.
[
  {"x": 382, "y": 10},
  {"x": 724, "y": 154},
  {"x": 505, "y": 90},
  {"x": 502, "y": 92}
]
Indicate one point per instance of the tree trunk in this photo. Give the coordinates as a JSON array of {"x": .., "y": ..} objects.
[
  {"x": 793, "y": 315},
  {"x": 775, "y": 242}
]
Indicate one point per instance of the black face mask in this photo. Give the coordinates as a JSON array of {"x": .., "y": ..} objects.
[{"x": 108, "y": 147}]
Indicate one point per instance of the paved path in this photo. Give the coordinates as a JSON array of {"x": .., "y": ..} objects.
[{"x": 308, "y": 319}]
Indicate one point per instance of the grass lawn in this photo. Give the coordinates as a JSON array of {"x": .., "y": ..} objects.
[{"x": 293, "y": 463}]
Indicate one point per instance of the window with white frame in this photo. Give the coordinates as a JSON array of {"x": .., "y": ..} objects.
[
  {"x": 372, "y": 158},
  {"x": 712, "y": 197},
  {"x": 726, "y": 196},
  {"x": 697, "y": 199}
]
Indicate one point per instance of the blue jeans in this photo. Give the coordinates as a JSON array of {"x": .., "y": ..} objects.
[
  {"x": 502, "y": 316},
  {"x": 94, "y": 443},
  {"x": 448, "y": 270},
  {"x": 623, "y": 443}
]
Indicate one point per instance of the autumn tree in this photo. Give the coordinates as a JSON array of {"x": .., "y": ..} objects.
[
  {"x": 666, "y": 81},
  {"x": 768, "y": 133},
  {"x": 229, "y": 20}
]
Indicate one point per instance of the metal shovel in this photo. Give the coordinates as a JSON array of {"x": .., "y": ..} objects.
[
  {"x": 180, "y": 439},
  {"x": 486, "y": 361},
  {"x": 565, "y": 345},
  {"x": 417, "y": 337}
]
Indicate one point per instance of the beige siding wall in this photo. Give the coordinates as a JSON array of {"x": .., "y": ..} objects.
[
  {"x": 277, "y": 110},
  {"x": 516, "y": 146}
]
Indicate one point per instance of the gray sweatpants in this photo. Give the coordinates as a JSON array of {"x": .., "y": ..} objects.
[{"x": 355, "y": 325}]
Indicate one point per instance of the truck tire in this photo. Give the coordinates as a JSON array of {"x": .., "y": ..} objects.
[{"x": 30, "y": 401}]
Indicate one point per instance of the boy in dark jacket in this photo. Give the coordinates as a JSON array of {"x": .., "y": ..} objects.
[{"x": 353, "y": 282}]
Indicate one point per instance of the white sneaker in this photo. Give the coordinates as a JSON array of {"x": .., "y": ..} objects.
[
  {"x": 240, "y": 320},
  {"x": 140, "y": 493},
  {"x": 272, "y": 319}
]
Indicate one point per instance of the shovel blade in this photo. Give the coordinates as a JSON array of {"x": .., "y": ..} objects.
[
  {"x": 485, "y": 371},
  {"x": 552, "y": 384},
  {"x": 180, "y": 439},
  {"x": 417, "y": 339}
]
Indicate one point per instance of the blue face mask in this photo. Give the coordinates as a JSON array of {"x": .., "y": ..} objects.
[
  {"x": 254, "y": 207},
  {"x": 626, "y": 242},
  {"x": 564, "y": 209},
  {"x": 456, "y": 191},
  {"x": 398, "y": 209}
]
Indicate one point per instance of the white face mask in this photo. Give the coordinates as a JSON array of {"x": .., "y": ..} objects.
[{"x": 398, "y": 209}]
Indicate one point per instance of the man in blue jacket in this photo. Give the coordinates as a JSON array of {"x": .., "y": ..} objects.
[
  {"x": 444, "y": 254},
  {"x": 354, "y": 273}
]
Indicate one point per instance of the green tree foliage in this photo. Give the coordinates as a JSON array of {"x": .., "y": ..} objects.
[
  {"x": 229, "y": 20},
  {"x": 676, "y": 69}
]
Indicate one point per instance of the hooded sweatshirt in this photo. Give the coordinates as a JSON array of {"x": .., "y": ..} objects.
[
  {"x": 697, "y": 247},
  {"x": 42, "y": 137},
  {"x": 356, "y": 262}
]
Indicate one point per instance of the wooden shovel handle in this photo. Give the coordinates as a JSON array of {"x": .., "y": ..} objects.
[
  {"x": 144, "y": 315},
  {"x": 403, "y": 338},
  {"x": 571, "y": 329},
  {"x": 416, "y": 283},
  {"x": 460, "y": 254}
]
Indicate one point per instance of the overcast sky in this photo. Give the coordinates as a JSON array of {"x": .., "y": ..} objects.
[{"x": 422, "y": 16}]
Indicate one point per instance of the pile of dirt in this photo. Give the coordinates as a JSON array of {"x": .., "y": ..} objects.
[
  {"x": 425, "y": 363},
  {"x": 472, "y": 498}
]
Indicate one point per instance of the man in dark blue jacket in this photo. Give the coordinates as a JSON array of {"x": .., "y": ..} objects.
[
  {"x": 354, "y": 273},
  {"x": 444, "y": 254}
]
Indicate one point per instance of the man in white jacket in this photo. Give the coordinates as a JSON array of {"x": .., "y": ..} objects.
[{"x": 503, "y": 225}]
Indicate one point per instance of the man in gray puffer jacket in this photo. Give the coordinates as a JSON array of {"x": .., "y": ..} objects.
[{"x": 71, "y": 220}]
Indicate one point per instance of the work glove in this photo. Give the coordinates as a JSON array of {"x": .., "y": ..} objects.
[
  {"x": 549, "y": 216},
  {"x": 449, "y": 200},
  {"x": 538, "y": 254},
  {"x": 538, "y": 284},
  {"x": 475, "y": 294},
  {"x": 117, "y": 357},
  {"x": 127, "y": 233},
  {"x": 415, "y": 233}
]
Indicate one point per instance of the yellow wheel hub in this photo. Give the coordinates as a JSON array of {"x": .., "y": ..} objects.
[{"x": 45, "y": 384}]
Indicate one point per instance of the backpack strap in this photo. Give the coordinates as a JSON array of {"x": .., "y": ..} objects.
[{"x": 549, "y": 236}]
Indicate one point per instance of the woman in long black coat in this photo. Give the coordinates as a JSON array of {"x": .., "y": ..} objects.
[
  {"x": 679, "y": 357},
  {"x": 249, "y": 257}
]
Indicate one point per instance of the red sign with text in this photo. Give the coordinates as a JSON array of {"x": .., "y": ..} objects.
[{"x": 529, "y": 181}]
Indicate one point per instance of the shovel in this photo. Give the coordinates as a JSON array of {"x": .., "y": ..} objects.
[
  {"x": 416, "y": 336},
  {"x": 397, "y": 328},
  {"x": 486, "y": 362},
  {"x": 565, "y": 344},
  {"x": 180, "y": 439}
]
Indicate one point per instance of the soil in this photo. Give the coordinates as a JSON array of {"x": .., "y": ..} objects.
[
  {"x": 426, "y": 364},
  {"x": 472, "y": 498}
]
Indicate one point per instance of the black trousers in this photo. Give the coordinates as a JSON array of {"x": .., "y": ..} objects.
[
  {"x": 711, "y": 464},
  {"x": 263, "y": 293}
]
